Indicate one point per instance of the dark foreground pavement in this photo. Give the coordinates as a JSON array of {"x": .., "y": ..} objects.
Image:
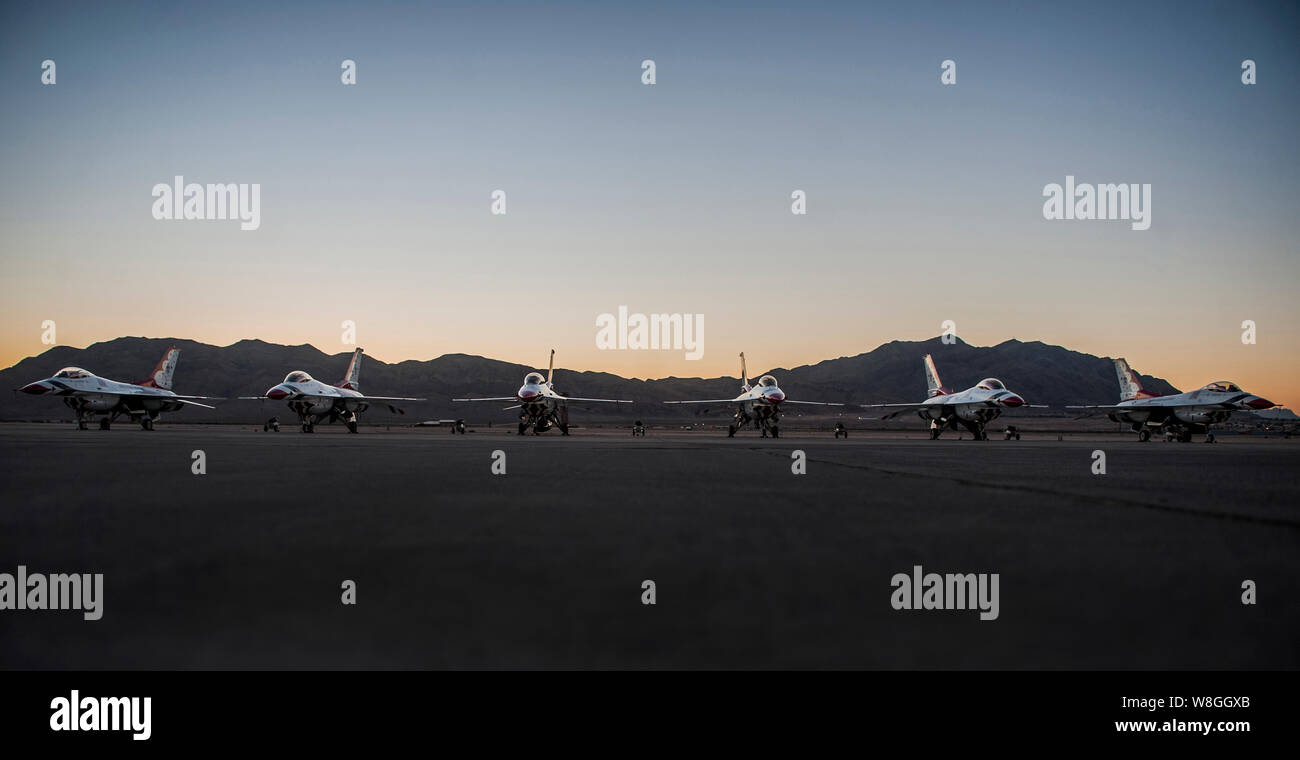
[{"x": 542, "y": 567}]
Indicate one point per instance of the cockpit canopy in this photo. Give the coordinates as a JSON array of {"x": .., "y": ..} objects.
[
  {"x": 1223, "y": 386},
  {"x": 71, "y": 373},
  {"x": 297, "y": 376},
  {"x": 534, "y": 378},
  {"x": 991, "y": 384},
  {"x": 767, "y": 381}
]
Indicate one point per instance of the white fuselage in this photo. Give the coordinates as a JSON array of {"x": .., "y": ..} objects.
[
  {"x": 92, "y": 393},
  {"x": 1199, "y": 407},
  {"x": 538, "y": 400},
  {"x": 315, "y": 397},
  {"x": 973, "y": 404},
  {"x": 762, "y": 402}
]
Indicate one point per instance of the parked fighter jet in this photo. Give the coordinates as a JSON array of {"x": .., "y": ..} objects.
[
  {"x": 1180, "y": 415},
  {"x": 315, "y": 402},
  {"x": 972, "y": 408},
  {"x": 89, "y": 395},
  {"x": 540, "y": 407},
  {"x": 760, "y": 404}
]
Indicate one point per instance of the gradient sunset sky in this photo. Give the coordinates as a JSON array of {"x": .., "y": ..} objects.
[{"x": 924, "y": 201}]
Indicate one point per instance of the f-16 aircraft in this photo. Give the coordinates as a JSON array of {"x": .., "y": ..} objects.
[
  {"x": 315, "y": 402},
  {"x": 89, "y": 395},
  {"x": 540, "y": 407},
  {"x": 1180, "y": 415},
  {"x": 760, "y": 404},
  {"x": 973, "y": 408}
]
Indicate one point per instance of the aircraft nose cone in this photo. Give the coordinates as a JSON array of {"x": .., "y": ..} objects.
[
  {"x": 527, "y": 395},
  {"x": 1257, "y": 402},
  {"x": 1013, "y": 401},
  {"x": 277, "y": 393},
  {"x": 37, "y": 388},
  {"x": 776, "y": 397}
]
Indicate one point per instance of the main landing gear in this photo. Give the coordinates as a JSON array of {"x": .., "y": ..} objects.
[{"x": 1174, "y": 433}]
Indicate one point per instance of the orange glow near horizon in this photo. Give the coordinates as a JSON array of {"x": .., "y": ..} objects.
[{"x": 1187, "y": 364}]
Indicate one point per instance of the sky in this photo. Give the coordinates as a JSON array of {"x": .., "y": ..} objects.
[{"x": 924, "y": 201}]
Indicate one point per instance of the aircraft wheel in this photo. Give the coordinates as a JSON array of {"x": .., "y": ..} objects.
[
  {"x": 522, "y": 427},
  {"x": 731, "y": 431},
  {"x": 104, "y": 424},
  {"x": 1017, "y": 436},
  {"x": 564, "y": 429},
  {"x": 934, "y": 434},
  {"x": 1144, "y": 435},
  {"x": 352, "y": 426},
  {"x": 776, "y": 432},
  {"x": 81, "y": 424},
  {"x": 1209, "y": 437}
]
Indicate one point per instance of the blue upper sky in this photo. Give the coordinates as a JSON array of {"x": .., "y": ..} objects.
[{"x": 924, "y": 200}]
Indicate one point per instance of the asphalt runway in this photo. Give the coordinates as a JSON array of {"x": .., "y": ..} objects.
[{"x": 754, "y": 566}]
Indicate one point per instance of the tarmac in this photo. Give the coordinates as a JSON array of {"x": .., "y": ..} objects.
[{"x": 753, "y": 566}]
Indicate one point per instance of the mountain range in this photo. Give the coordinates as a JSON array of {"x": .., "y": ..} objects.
[{"x": 891, "y": 373}]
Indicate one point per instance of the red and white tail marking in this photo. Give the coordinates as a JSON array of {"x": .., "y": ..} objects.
[
  {"x": 161, "y": 377},
  {"x": 352, "y": 380},
  {"x": 1130, "y": 387},
  {"x": 933, "y": 385}
]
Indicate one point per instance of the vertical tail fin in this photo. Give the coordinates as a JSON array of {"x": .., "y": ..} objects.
[
  {"x": 550, "y": 371},
  {"x": 1130, "y": 387},
  {"x": 161, "y": 377},
  {"x": 352, "y": 380},
  {"x": 933, "y": 385},
  {"x": 744, "y": 376}
]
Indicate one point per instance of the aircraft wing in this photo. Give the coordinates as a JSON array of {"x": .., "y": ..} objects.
[
  {"x": 898, "y": 408},
  {"x": 712, "y": 401},
  {"x": 141, "y": 392},
  {"x": 384, "y": 398},
  {"x": 186, "y": 400},
  {"x": 605, "y": 400},
  {"x": 494, "y": 398},
  {"x": 812, "y": 403}
]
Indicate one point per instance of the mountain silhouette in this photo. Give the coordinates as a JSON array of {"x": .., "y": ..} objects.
[{"x": 891, "y": 373}]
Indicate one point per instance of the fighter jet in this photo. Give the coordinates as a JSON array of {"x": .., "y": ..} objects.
[
  {"x": 972, "y": 408},
  {"x": 540, "y": 407},
  {"x": 1180, "y": 415},
  {"x": 89, "y": 395},
  {"x": 315, "y": 402},
  {"x": 760, "y": 404}
]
